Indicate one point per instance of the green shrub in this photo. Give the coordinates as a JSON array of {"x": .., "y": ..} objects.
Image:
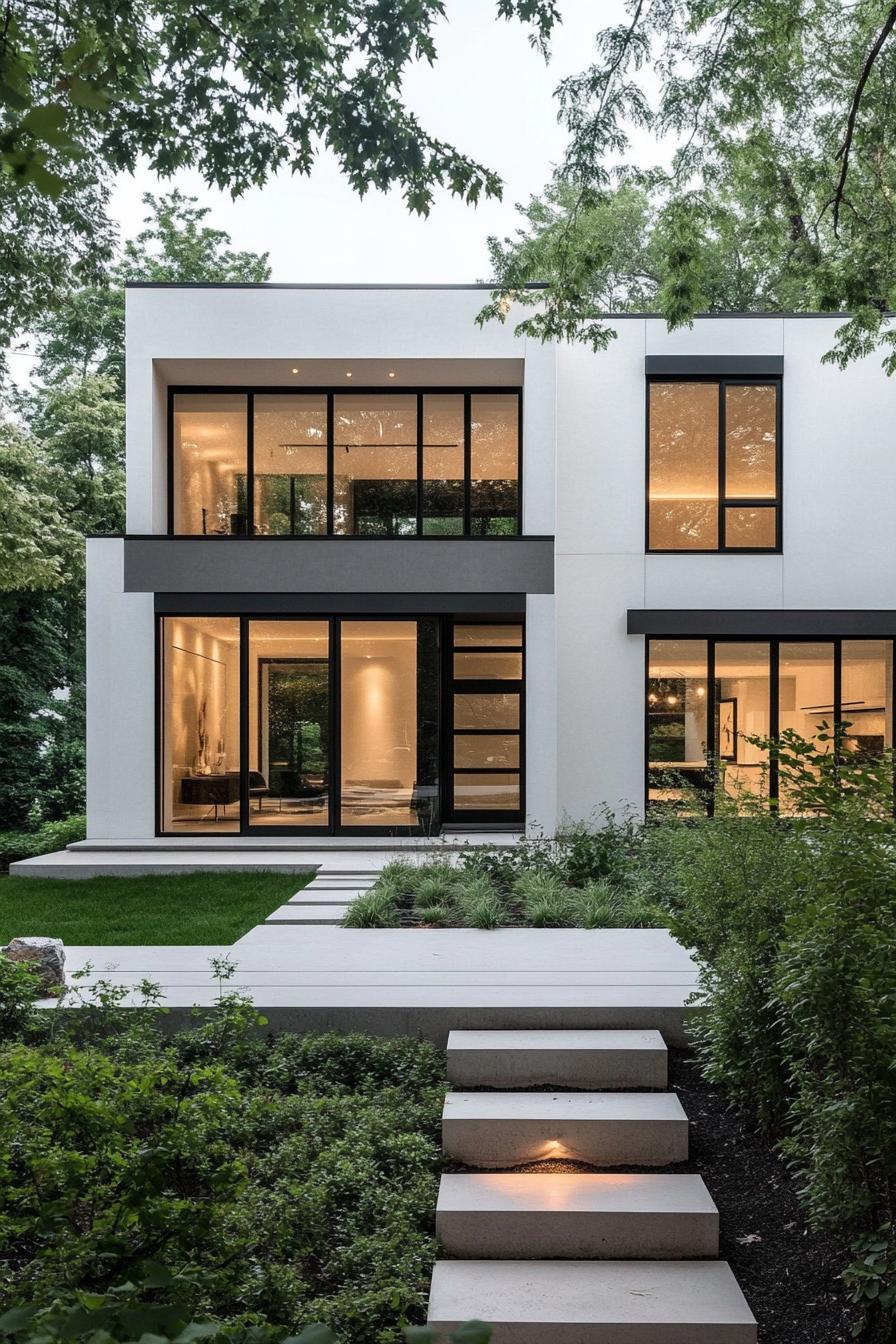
[
  {"x": 436, "y": 888},
  {"x": 544, "y": 899},
  {"x": 375, "y": 909},
  {"x": 482, "y": 910},
  {"x": 793, "y": 922},
  {"x": 439, "y": 916},
  {"x": 296, "y": 1185},
  {"x": 49, "y": 836},
  {"x": 594, "y": 906}
]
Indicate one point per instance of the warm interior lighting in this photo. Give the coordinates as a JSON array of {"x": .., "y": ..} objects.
[
  {"x": 700, "y": 692},
  {"x": 671, "y": 699},
  {"x": 348, "y": 373},
  {"x": 295, "y": 370},
  {"x": 391, "y": 373}
]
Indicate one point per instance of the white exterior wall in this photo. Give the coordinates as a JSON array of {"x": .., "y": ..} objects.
[
  {"x": 584, "y": 457},
  {"x": 120, "y": 699}
]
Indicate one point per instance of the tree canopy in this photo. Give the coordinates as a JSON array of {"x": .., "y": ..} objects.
[
  {"x": 777, "y": 185},
  {"x": 236, "y": 92}
]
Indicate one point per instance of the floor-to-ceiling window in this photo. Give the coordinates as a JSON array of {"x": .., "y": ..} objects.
[
  {"x": 199, "y": 762},
  {"x": 341, "y": 721},
  {"x": 289, "y": 723},
  {"x": 487, "y": 717},
  {"x": 709, "y": 700}
]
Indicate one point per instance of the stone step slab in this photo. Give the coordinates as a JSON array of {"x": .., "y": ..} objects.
[
  {"x": 593, "y": 1302},
  {"x": 604, "y": 1129},
  {"x": 580, "y": 1059},
  {"x": 308, "y": 914},
  {"x": 312, "y": 896},
  {"x": 576, "y": 1215}
]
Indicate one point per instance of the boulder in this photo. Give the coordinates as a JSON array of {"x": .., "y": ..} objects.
[{"x": 47, "y": 955}]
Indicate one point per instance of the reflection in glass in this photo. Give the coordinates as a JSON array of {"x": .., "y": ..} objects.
[
  {"x": 750, "y": 442},
  {"x": 494, "y": 441},
  {"x": 751, "y": 527},
  {"x": 677, "y": 735},
  {"x": 375, "y": 466},
  {"x": 200, "y": 741},
  {"x": 867, "y": 696},
  {"x": 487, "y": 710},
  {"x": 210, "y": 464},
  {"x": 743, "y": 690},
  {"x": 290, "y": 449},
  {"x": 805, "y": 699},
  {"x": 389, "y": 723},
  {"x": 486, "y": 751},
  {"x": 487, "y": 793},
  {"x": 491, "y": 635},
  {"x": 289, "y": 715},
  {"x": 683, "y": 487},
  {"x": 488, "y": 666},
  {"x": 443, "y": 465}
]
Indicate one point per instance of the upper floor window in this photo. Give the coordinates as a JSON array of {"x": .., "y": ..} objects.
[
  {"x": 366, "y": 463},
  {"x": 713, "y": 465}
]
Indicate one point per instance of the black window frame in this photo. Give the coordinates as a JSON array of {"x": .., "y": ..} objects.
[
  {"x": 331, "y": 392},
  {"x": 724, "y": 501},
  {"x": 445, "y": 728},
  {"x": 774, "y": 643}
]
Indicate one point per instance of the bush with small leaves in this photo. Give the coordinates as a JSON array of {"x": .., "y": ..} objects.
[{"x": 375, "y": 909}]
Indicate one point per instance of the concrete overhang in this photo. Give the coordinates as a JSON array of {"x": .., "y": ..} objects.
[{"x": 322, "y": 565}]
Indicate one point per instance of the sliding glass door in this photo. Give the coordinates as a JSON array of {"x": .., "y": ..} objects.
[
  {"x": 289, "y": 724},
  {"x": 298, "y": 725}
]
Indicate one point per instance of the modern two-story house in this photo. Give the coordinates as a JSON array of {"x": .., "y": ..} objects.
[{"x": 390, "y": 573}]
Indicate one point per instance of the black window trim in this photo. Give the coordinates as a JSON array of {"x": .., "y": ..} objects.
[
  {"x": 250, "y": 391},
  {"x": 246, "y": 613},
  {"x": 774, "y": 643},
  {"x": 723, "y": 381}
]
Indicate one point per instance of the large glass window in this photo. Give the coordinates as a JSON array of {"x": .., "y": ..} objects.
[
  {"x": 200, "y": 741},
  {"x": 713, "y": 466},
  {"x": 494, "y": 457},
  {"x": 374, "y": 464},
  {"x": 210, "y": 464},
  {"x": 389, "y": 721},
  {"x": 677, "y": 724},
  {"x": 732, "y": 685},
  {"x": 290, "y": 460},
  {"x": 289, "y": 723}
]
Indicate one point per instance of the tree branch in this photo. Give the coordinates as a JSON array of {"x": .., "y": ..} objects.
[{"x": 844, "y": 151}]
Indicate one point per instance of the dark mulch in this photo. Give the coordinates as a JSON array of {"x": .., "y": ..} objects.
[{"x": 788, "y": 1272}]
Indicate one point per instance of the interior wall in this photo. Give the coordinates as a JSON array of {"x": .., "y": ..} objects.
[{"x": 379, "y": 701}]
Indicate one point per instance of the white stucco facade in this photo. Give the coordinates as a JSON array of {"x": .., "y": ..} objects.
[{"x": 583, "y": 485}]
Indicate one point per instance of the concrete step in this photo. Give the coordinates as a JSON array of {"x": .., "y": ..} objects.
[
  {"x": 605, "y": 1129},
  {"x": 339, "y": 883},
  {"x": 581, "y": 1059},
  {"x": 593, "y": 1302},
  {"x": 308, "y": 914},
  {"x": 311, "y": 896},
  {"x": 573, "y": 1215}
]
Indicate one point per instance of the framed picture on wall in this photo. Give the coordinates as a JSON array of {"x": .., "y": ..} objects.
[{"x": 728, "y": 730}]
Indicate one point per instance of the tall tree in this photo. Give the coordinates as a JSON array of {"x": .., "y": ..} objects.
[
  {"x": 61, "y": 479},
  {"x": 777, "y": 123},
  {"x": 88, "y": 88}
]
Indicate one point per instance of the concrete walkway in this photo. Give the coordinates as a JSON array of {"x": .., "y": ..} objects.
[{"x": 427, "y": 981}]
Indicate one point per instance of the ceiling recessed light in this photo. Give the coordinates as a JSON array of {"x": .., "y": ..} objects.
[
  {"x": 391, "y": 373},
  {"x": 348, "y": 373},
  {"x": 295, "y": 370}
]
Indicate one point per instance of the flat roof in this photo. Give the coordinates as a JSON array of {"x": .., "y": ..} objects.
[{"x": 477, "y": 285}]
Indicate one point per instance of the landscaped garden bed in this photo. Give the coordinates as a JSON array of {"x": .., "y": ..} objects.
[{"x": 252, "y": 1181}]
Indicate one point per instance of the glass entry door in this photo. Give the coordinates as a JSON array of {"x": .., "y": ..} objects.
[{"x": 289, "y": 724}]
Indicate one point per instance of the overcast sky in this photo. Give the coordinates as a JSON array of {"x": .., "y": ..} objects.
[{"x": 489, "y": 94}]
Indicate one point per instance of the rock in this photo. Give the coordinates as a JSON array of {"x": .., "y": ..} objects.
[{"x": 46, "y": 954}]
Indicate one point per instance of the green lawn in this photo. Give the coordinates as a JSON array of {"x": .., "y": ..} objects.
[{"x": 191, "y": 908}]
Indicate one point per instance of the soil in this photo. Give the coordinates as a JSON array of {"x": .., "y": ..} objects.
[{"x": 789, "y": 1272}]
